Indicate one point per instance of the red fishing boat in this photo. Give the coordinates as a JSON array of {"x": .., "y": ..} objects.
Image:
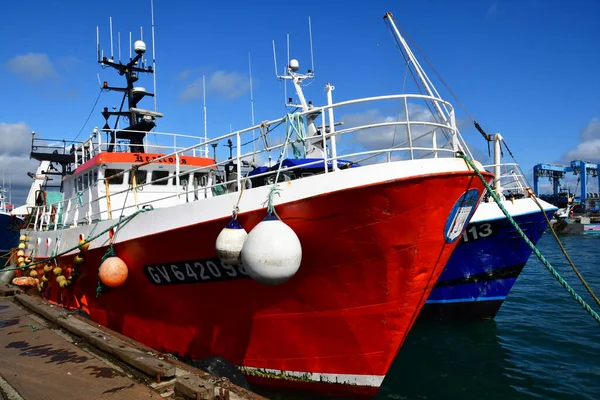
[{"x": 345, "y": 241}]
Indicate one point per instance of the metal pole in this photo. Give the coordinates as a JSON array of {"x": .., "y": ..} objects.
[
  {"x": 497, "y": 161},
  {"x": 328, "y": 89}
]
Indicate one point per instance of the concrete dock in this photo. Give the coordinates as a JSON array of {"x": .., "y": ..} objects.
[{"x": 48, "y": 353}]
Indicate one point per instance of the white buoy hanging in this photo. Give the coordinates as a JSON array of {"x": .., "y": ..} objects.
[
  {"x": 272, "y": 252},
  {"x": 230, "y": 241}
]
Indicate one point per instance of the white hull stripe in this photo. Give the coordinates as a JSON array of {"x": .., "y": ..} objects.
[
  {"x": 197, "y": 212},
  {"x": 491, "y": 211},
  {"x": 341, "y": 379}
]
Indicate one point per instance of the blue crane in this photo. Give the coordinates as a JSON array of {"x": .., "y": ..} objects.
[{"x": 558, "y": 172}]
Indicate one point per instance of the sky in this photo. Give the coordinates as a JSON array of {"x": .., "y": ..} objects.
[{"x": 527, "y": 69}]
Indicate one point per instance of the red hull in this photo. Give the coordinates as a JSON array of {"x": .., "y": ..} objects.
[{"x": 371, "y": 255}]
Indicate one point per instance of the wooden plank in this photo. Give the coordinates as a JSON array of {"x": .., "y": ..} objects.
[{"x": 37, "y": 305}]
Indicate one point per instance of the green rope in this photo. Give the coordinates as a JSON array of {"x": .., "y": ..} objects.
[
  {"x": 89, "y": 239},
  {"x": 295, "y": 123},
  {"x": 291, "y": 127},
  {"x": 80, "y": 198},
  {"x": 539, "y": 255}
]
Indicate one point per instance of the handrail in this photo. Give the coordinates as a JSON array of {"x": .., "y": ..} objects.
[{"x": 93, "y": 209}]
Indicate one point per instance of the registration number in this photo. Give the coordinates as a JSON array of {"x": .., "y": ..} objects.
[{"x": 194, "y": 271}]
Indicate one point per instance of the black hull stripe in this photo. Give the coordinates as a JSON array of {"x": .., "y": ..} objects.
[
  {"x": 468, "y": 311},
  {"x": 511, "y": 271}
]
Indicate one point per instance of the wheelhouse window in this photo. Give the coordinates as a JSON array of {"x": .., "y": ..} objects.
[
  {"x": 112, "y": 179},
  {"x": 182, "y": 178},
  {"x": 86, "y": 183},
  {"x": 94, "y": 175},
  {"x": 156, "y": 175},
  {"x": 200, "y": 178},
  {"x": 140, "y": 177}
]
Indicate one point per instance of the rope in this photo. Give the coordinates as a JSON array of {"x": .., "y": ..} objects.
[
  {"x": 88, "y": 118},
  {"x": 89, "y": 239},
  {"x": 275, "y": 189},
  {"x": 564, "y": 251},
  {"x": 294, "y": 123},
  {"x": 539, "y": 255}
]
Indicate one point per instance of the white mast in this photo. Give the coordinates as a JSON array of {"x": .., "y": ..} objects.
[
  {"x": 252, "y": 108},
  {"x": 153, "y": 51},
  {"x": 418, "y": 69},
  {"x": 112, "y": 57},
  {"x": 204, "y": 102},
  {"x": 312, "y": 57}
]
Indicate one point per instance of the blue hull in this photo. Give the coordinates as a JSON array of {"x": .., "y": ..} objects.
[
  {"x": 9, "y": 236},
  {"x": 483, "y": 268}
]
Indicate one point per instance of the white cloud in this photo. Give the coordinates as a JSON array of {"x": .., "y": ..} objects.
[
  {"x": 14, "y": 159},
  {"x": 589, "y": 147},
  {"x": 227, "y": 85},
  {"x": 31, "y": 66}
]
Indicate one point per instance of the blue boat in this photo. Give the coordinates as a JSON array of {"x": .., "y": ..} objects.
[
  {"x": 491, "y": 254},
  {"x": 9, "y": 229}
]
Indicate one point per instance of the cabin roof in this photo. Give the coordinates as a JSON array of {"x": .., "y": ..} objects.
[{"x": 138, "y": 158}]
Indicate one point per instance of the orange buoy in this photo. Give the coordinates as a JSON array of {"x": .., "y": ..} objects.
[
  {"x": 113, "y": 272},
  {"x": 24, "y": 281}
]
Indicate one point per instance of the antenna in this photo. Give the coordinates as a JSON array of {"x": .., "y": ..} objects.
[
  {"x": 275, "y": 60},
  {"x": 130, "y": 57},
  {"x": 119, "y": 42},
  {"x": 98, "y": 41},
  {"x": 141, "y": 61},
  {"x": 288, "y": 49},
  {"x": 285, "y": 98},
  {"x": 112, "y": 57},
  {"x": 204, "y": 101},
  {"x": 252, "y": 106},
  {"x": 312, "y": 58},
  {"x": 153, "y": 51},
  {"x": 99, "y": 83}
]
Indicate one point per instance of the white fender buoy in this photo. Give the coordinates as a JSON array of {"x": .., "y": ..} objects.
[
  {"x": 230, "y": 241},
  {"x": 272, "y": 252}
]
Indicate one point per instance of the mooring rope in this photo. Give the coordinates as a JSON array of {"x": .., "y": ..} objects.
[
  {"x": 539, "y": 255},
  {"x": 564, "y": 251}
]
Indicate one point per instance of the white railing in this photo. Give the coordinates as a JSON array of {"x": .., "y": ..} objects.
[
  {"x": 512, "y": 180},
  {"x": 400, "y": 129}
]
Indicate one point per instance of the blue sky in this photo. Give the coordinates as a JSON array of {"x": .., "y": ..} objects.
[{"x": 527, "y": 69}]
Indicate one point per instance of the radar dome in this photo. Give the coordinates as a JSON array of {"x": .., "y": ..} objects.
[
  {"x": 294, "y": 65},
  {"x": 139, "y": 47}
]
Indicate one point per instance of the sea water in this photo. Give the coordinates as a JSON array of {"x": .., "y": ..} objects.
[{"x": 542, "y": 344}]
